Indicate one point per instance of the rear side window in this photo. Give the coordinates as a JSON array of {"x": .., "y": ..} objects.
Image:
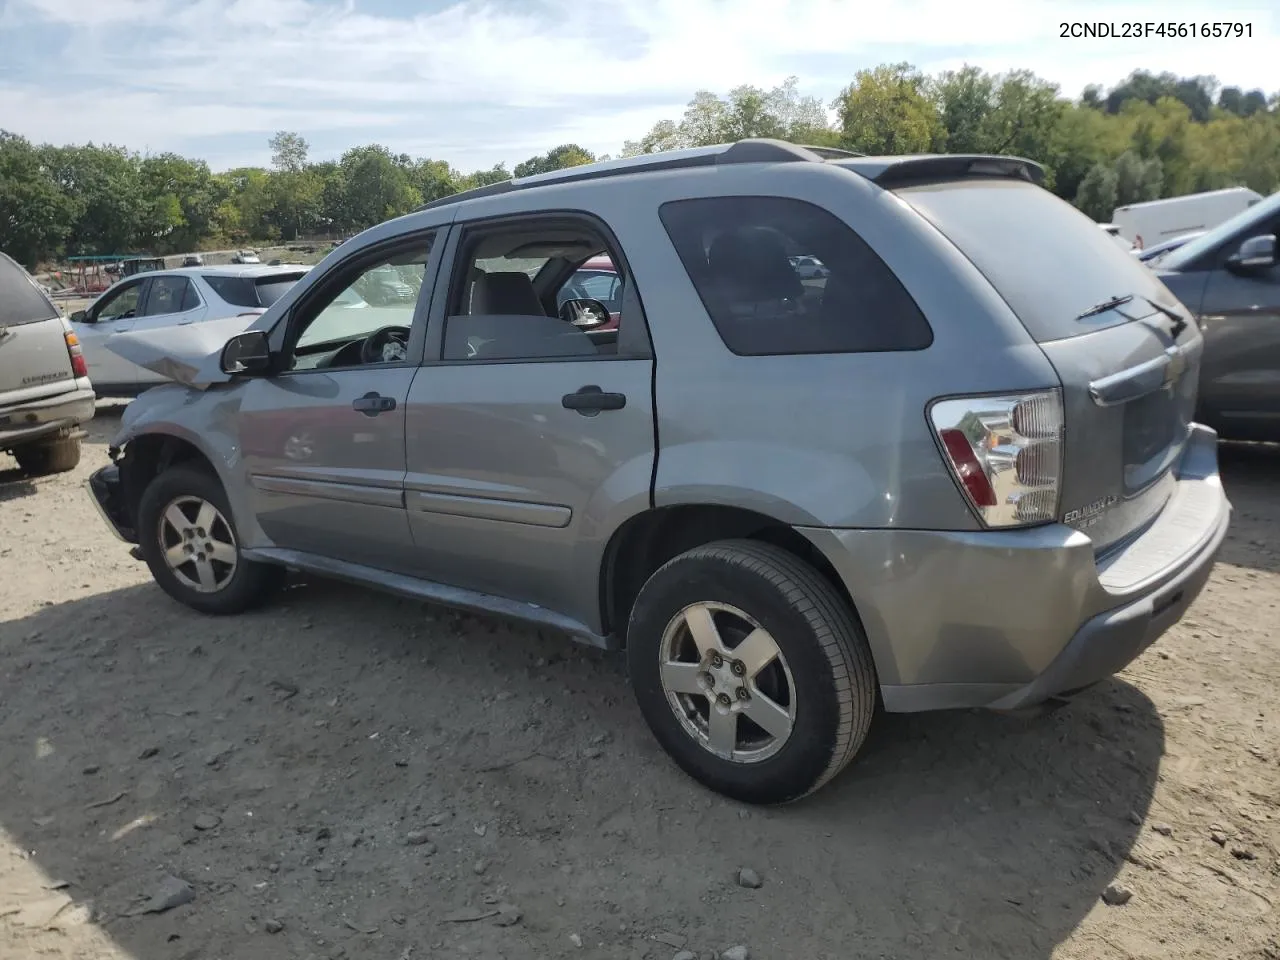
[
  {"x": 170, "y": 295},
  {"x": 253, "y": 291},
  {"x": 1049, "y": 261},
  {"x": 782, "y": 276}
]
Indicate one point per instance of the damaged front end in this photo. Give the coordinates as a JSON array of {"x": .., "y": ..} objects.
[{"x": 107, "y": 492}]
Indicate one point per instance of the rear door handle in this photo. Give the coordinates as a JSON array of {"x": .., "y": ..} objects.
[
  {"x": 590, "y": 400},
  {"x": 372, "y": 404}
]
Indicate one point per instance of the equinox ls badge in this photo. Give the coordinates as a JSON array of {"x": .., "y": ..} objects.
[{"x": 1090, "y": 513}]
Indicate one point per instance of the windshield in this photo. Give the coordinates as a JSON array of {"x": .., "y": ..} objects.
[
  {"x": 1048, "y": 260},
  {"x": 1193, "y": 250}
]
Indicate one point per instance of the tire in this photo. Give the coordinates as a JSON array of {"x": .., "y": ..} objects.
[
  {"x": 216, "y": 585},
  {"x": 823, "y": 675},
  {"x": 57, "y": 455}
]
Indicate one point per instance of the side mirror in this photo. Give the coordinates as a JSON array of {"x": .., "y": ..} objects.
[
  {"x": 1256, "y": 253},
  {"x": 584, "y": 314},
  {"x": 247, "y": 354},
  {"x": 81, "y": 316}
]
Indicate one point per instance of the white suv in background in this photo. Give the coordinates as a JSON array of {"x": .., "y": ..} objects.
[
  {"x": 45, "y": 394},
  {"x": 165, "y": 298}
]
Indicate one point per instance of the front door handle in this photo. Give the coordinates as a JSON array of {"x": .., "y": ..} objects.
[
  {"x": 372, "y": 404},
  {"x": 590, "y": 400}
]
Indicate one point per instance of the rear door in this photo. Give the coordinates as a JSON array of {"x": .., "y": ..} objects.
[
  {"x": 1128, "y": 354},
  {"x": 526, "y": 435},
  {"x": 171, "y": 300},
  {"x": 115, "y": 312}
]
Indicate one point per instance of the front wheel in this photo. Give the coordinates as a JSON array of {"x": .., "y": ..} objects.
[
  {"x": 188, "y": 538},
  {"x": 751, "y": 670}
]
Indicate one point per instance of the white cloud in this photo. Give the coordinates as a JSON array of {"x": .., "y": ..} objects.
[{"x": 477, "y": 82}]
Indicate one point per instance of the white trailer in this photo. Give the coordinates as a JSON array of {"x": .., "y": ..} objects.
[{"x": 1159, "y": 220}]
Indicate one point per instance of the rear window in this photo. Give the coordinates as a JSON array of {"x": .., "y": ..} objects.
[
  {"x": 21, "y": 301},
  {"x": 1048, "y": 260},
  {"x": 744, "y": 256},
  {"x": 253, "y": 291}
]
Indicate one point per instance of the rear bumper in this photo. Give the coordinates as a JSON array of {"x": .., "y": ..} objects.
[
  {"x": 105, "y": 491},
  {"x": 1010, "y": 619},
  {"x": 34, "y": 419}
]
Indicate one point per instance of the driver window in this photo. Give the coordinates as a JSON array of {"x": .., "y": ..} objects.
[
  {"x": 120, "y": 305},
  {"x": 367, "y": 317}
]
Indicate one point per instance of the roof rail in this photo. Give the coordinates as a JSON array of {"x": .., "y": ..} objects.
[{"x": 755, "y": 150}]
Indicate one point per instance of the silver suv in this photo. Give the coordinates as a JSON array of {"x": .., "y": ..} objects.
[
  {"x": 957, "y": 469},
  {"x": 45, "y": 393}
]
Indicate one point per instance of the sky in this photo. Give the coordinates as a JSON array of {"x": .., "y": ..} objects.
[{"x": 478, "y": 82}]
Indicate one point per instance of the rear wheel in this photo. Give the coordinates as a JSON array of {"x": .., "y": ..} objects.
[
  {"x": 55, "y": 455},
  {"x": 188, "y": 538},
  {"x": 751, "y": 670}
]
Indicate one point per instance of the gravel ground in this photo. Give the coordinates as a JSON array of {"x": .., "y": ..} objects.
[{"x": 345, "y": 774}]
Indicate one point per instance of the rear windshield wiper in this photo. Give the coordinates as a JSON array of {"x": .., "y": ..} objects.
[
  {"x": 1179, "y": 323},
  {"x": 1106, "y": 305}
]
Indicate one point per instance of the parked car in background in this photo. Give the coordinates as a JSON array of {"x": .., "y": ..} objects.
[
  {"x": 809, "y": 268},
  {"x": 167, "y": 298},
  {"x": 1229, "y": 278},
  {"x": 45, "y": 391},
  {"x": 193, "y": 260},
  {"x": 246, "y": 256},
  {"x": 942, "y": 476},
  {"x": 1153, "y": 254},
  {"x": 1155, "y": 221}
]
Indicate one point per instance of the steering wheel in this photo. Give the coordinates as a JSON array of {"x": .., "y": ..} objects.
[{"x": 386, "y": 345}]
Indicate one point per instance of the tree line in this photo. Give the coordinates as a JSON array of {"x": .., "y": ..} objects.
[{"x": 1151, "y": 136}]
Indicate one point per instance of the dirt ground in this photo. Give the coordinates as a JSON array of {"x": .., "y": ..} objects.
[{"x": 347, "y": 775}]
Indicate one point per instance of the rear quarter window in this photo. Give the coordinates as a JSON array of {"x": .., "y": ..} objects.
[{"x": 742, "y": 254}]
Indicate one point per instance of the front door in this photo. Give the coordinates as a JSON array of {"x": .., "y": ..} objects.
[
  {"x": 528, "y": 435},
  {"x": 1240, "y": 378},
  {"x": 172, "y": 300},
  {"x": 323, "y": 439},
  {"x": 116, "y": 311}
]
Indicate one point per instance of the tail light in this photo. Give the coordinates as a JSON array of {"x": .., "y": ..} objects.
[
  {"x": 78, "y": 365},
  {"x": 1006, "y": 453}
]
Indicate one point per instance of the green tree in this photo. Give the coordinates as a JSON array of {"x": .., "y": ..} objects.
[
  {"x": 965, "y": 99},
  {"x": 483, "y": 178},
  {"x": 746, "y": 111},
  {"x": 180, "y": 197},
  {"x": 1137, "y": 179},
  {"x": 375, "y": 186},
  {"x": 288, "y": 151},
  {"x": 104, "y": 183},
  {"x": 557, "y": 158},
  {"x": 887, "y": 111},
  {"x": 433, "y": 179},
  {"x": 1097, "y": 193},
  {"x": 35, "y": 215}
]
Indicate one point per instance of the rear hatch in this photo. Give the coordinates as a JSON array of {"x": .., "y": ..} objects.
[
  {"x": 34, "y": 359},
  {"x": 1126, "y": 351}
]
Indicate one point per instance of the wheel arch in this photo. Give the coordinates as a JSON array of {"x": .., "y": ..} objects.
[
  {"x": 147, "y": 455},
  {"x": 649, "y": 539}
]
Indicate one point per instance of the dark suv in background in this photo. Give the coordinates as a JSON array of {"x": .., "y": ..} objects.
[{"x": 1230, "y": 279}]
